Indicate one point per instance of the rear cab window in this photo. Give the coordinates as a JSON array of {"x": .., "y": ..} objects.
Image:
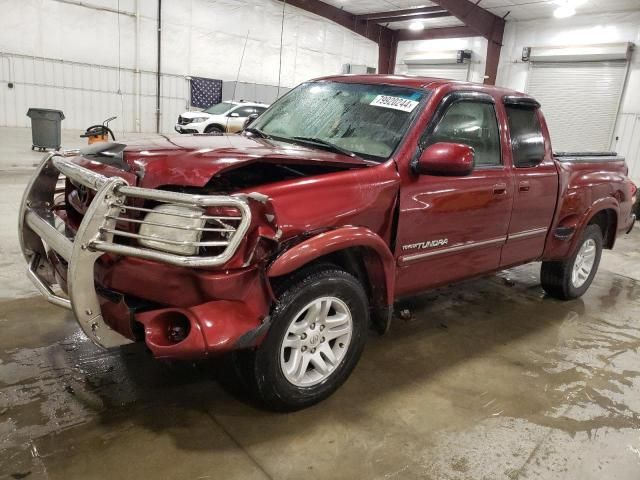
[{"x": 527, "y": 140}]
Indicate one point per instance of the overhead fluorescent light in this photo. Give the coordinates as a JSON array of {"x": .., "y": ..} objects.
[{"x": 416, "y": 26}]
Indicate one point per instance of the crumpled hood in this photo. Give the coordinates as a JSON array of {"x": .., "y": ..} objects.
[{"x": 192, "y": 160}]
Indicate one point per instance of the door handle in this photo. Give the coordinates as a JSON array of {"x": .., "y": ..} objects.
[
  {"x": 524, "y": 186},
  {"x": 500, "y": 189}
]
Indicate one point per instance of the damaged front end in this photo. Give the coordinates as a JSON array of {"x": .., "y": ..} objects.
[{"x": 145, "y": 263}]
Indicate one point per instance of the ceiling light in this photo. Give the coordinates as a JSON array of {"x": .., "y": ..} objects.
[
  {"x": 567, "y": 8},
  {"x": 570, "y": 3},
  {"x": 564, "y": 11},
  {"x": 416, "y": 26}
]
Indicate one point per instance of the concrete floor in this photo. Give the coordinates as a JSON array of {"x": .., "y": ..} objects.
[{"x": 488, "y": 380}]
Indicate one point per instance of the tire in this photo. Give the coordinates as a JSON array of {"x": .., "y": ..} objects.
[
  {"x": 558, "y": 278},
  {"x": 271, "y": 370},
  {"x": 213, "y": 129}
]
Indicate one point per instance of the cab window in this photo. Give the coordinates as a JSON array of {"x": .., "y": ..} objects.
[
  {"x": 474, "y": 124},
  {"x": 527, "y": 141}
]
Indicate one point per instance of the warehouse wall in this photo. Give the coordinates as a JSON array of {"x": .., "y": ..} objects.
[
  {"x": 582, "y": 30},
  {"x": 90, "y": 61},
  {"x": 477, "y": 45}
]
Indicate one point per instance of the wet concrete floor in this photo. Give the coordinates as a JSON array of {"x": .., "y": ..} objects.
[{"x": 487, "y": 380}]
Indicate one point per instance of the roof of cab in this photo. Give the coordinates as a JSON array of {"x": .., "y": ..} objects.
[{"x": 412, "y": 81}]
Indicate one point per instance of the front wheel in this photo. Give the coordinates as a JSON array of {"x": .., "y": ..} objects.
[
  {"x": 318, "y": 331},
  {"x": 571, "y": 278},
  {"x": 215, "y": 129}
]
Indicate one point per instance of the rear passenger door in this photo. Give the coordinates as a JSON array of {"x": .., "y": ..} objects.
[
  {"x": 536, "y": 183},
  {"x": 454, "y": 227}
]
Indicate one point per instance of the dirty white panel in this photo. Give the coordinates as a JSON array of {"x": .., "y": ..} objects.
[{"x": 627, "y": 142}]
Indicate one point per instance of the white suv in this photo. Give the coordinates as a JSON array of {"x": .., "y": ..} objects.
[{"x": 224, "y": 117}]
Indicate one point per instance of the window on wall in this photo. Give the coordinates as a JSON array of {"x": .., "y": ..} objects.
[
  {"x": 473, "y": 124},
  {"x": 527, "y": 141}
]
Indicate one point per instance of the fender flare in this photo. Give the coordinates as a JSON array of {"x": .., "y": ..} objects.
[
  {"x": 607, "y": 203},
  {"x": 333, "y": 241}
]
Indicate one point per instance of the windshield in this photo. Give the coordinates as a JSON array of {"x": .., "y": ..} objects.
[
  {"x": 220, "y": 108},
  {"x": 368, "y": 120}
]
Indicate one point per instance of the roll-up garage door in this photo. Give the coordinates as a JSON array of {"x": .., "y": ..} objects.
[
  {"x": 452, "y": 72},
  {"x": 579, "y": 100}
]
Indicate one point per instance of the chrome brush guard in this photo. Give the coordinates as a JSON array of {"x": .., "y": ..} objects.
[{"x": 41, "y": 230}]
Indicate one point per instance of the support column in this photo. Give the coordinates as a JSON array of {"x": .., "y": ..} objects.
[
  {"x": 493, "y": 57},
  {"x": 387, "y": 50}
]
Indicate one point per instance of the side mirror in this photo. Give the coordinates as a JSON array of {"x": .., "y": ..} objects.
[
  {"x": 250, "y": 120},
  {"x": 448, "y": 159},
  {"x": 234, "y": 114}
]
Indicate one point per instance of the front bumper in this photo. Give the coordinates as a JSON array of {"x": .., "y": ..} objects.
[
  {"x": 42, "y": 231},
  {"x": 186, "y": 128},
  {"x": 190, "y": 127}
]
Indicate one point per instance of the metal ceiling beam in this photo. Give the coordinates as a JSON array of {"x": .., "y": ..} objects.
[
  {"x": 477, "y": 20},
  {"x": 383, "y": 36},
  {"x": 482, "y": 21},
  {"x": 399, "y": 13},
  {"x": 435, "y": 33},
  {"x": 422, "y": 16},
  {"x": 485, "y": 24},
  {"x": 337, "y": 15}
]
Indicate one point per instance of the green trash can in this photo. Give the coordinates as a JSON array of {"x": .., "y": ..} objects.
[{"x": 46, "y": 128}]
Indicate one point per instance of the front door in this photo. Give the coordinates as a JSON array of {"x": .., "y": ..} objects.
[{"x": 454, "y": 227}]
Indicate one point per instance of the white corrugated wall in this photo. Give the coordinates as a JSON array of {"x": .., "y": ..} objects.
[
  {"x": 87, "y": 93},
  {"x": 66, "y": 53}
]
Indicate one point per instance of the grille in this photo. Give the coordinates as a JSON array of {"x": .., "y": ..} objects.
[
  {"x": 207, "y": 234},
  {"x": 173, "y": 227},
  {"x": 183, "y": 121}
]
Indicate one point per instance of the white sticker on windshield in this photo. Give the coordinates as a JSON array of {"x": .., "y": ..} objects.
[{"x": 397, "y": 103}]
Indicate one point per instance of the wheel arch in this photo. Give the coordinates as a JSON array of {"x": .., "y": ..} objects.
[
  {"x": 357, "y": 250},
  {"x": 607, "y": 220},
  {"x": 604, "y": 212},
  {"x": 208, "y": 128}
]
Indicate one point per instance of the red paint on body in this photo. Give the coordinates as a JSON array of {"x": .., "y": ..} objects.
[{"x": 385, "y": 212}]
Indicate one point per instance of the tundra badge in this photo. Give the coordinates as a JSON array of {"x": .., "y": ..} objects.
[{"x": 428, "y": 244}]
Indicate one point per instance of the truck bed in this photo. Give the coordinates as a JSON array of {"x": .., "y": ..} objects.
[{"x": 588, "y": 157}]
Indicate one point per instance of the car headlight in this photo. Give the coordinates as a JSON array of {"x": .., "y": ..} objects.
[
  {"x": 173, "y": 228},
  {"x": 199, "y": 119}
]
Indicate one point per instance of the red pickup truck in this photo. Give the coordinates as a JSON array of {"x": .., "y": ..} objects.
[{"x": 286, "y": 243}]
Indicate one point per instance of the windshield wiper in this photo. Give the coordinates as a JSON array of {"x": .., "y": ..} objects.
[
  {"x": 257, "y": 132},
  {"x": 324, "y": 143}
]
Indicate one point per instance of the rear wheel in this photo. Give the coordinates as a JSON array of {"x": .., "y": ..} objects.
[
  {"x": 318, "y": 331},
  {"x": 571, "y": 278}
]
